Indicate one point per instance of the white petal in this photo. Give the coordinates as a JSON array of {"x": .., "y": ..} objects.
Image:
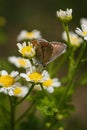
[
  {"x": 19, "y": 46},
  {"x": 50, "y": 89},
  {"x": 37, "y": 34},
  {"x": 85, "y": 38},
  {"x": 45, "y": 75},
  {"x": 3, "y": 90},
  {"x": 4, "y": 72},
  {"x": 14, "y": 73},
  {"x": 79, "y": 31},
  {"x": 25, "y": 76},
  {"x": 84, "y": 27},
  {"x": 24, "y": 44},
  {"x": 21, "y": 36},
  {"x": 56, "y": 83},
  {"x": 83, "y": 21},
  {"x": 24, "y": 91},
  {"x": 10, "y": 92},
  {"x": 12, "y": 58}
]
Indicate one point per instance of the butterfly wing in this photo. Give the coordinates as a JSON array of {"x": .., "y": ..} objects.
[
  {"x": 48, "y": 51},
  {"x": 43, "y": 50},
  {"x": 58, "y": 49}
]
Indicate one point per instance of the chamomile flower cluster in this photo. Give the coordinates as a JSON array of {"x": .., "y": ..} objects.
[
  {"x": 10, "y": 85},
  {"x": 33, "y": 73},
  {"x": 41, "y": 78}
]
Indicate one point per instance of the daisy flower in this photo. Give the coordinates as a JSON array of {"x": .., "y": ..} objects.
[
  {"x": 20, "y": 91},
  {"x": 49, "y": 84},
  {"x": 26, "y": 50},
  {"x": 75, "y": 40},
  {"x": 64, "y": 15},
  {"x": 83, "y": 31},
  {"x": 25, "y": 35},
  {"x": 34, "y": 76},
  {"x": 7, "y": 81},
  {"x": 19, "y": 61}
]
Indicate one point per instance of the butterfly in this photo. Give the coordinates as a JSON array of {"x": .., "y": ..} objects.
[{"x": 47, "y": 51}]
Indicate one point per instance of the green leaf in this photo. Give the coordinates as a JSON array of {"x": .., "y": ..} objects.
[{"x": 45, "y": 106}]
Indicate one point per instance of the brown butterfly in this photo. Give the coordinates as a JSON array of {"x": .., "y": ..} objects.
[{"x": 48, "y": 51}]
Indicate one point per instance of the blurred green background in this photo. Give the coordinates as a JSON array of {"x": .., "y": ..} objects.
[{"x": 16, "y": 15}]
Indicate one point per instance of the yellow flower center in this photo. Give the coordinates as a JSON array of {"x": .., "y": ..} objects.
[
  {"x": 48, "y": 83},
  {"x": 26, "y": 49},
  {"x": 22, "y": 62},
  {"x": 74, "y": 41},
  {"x": 84, "y": 32},
  {"x": 17, "y": 91},
  {"x": 30, "y": 34},
  {"x": 35, "y": 76},
  {"x": 6, "y": 80}
]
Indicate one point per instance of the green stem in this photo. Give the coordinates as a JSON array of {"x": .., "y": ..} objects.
[
  {"x": 81, "y": 54},
  {"x": 12, "y": 108},
  {"x": 70, "y": 50},
  {"x": 45, "y": 92},
  {"x": 25, "y": 95},
  {"x": 71, "y": 64},
  {"x": 65, "y": 26}
]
